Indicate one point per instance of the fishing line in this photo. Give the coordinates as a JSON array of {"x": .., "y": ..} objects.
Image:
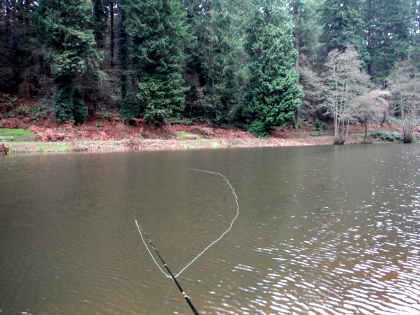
[{"x": 211, "y": 244}]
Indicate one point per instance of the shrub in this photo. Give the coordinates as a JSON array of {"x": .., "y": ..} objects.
[
  {"x": 23, "y": 110},
  {"x": 9, "y": 101},
  {"x": 317, "y": 125},
  {"x": 258, "y": 128},
  {"x": 42, "y": 109},
  {"x": 384, "y": 136},
  {"x": 408, "y": 138},
  {"x": 106, "y": 115},
  {"x": 396, "y": 136},
  {"x": 188, "y": 122},
  {"x": 339, "y": 141},
  {"x": 179, "y": 121}
]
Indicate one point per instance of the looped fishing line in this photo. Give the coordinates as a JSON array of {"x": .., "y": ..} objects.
[{"x": 211, "y": 244}]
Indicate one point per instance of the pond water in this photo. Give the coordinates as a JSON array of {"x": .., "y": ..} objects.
[{"x": 322, "y": 230}]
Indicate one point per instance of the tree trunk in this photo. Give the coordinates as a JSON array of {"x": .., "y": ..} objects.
[
  {"x": 20, "y": 11},
  {"x": 111, "y": 3},
  {"x": 366, "y": 132},
  {"x": 297, "y": 47},
  {"x": 13, "y": 7},
  {"x": 27, "y": 11}
]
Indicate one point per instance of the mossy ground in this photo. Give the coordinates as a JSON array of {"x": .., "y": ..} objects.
[
  {"x": 16, "y": 134},
  {"x": 187, "y": 136}
]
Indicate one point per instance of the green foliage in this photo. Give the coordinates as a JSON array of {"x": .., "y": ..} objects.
[
  {"x": 396, "y": 136},
  {"x": 66, "y": 29},
  {"x": 100, "y": 17},
  {"x": 378, "y": 29},
  {"x": 9, "y": 102},
  {"x": 80, "y": 111},
  {"x": 307, "y": 29},
  {"x": 258, "y": 129},
  {"x": 42, "y": 109},
  {"x": 154, "y": 43},
  {"x": 63, "y": 101},
  {"x": 177, "y": 121},
  {"x": 385, "y": 136},
  {"x": 106, "y": 115},
  {"x": 343, "y": 25},
  {"x": 151, "y": 97},
  {"x": 215, "y": 60},
  {"x": 187, "y": 136},
  {"x": 130, "y": 107},
  {"x": 17, "y": 134},
  {"x": 123, "y": 56},
  {"x": 387, "y": 25},
  {"x": 274, "y": 94},
  {"x": 235, "y": 59}
]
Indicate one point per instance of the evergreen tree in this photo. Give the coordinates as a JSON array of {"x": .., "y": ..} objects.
[
  {"x": 123, "y": 52},
  {"x": 274, "y": 93},
  {"x": 111, "y": 4},
  {"x": 387, "y": 25},
  {"x": 157, "y": 33},
  {"x": 215, "y": 57},
  {"x": 66, "y": 28},
  {"x": 307, "y": 29},
  {"x": 415, "y": 34},
  {"x": 307, "y": 33},
  {"x": 342, "y": 25},
  {"x": 100, "y": 17}
]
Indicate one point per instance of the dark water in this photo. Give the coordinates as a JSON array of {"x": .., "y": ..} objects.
[{"x": 322, "y": 230}]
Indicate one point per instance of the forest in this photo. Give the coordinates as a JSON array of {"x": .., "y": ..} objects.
[{"x": 251, "y": 64}]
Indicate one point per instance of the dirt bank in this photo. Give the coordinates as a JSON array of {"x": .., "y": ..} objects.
[
  {"x": 112, "y": 135},
  {"x": 158, "y": 144}
]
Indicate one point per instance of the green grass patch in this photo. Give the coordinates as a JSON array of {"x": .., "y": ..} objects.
[
  {"x": 17, "y": 134},
  {"x": 187, "y": 136},
  {"x": 23, "y": 146},
  {"x": 214, "y": 144}
]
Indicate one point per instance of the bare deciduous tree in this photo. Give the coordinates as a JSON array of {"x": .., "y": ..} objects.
[
  {"x": 369, "y": 107},
  {"x": 344, "y": 80},
  {"x": 405, "y": 87},
  {"x": 313, "y": 87}
]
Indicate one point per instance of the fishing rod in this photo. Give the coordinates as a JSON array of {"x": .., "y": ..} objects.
[
  {"x": 172, "y": 276},
  {"x": 168, "y": 274}
]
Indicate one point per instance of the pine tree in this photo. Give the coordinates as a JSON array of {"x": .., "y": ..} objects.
[
  {"x": 274, "y": 93},
  {"x": 214, "y": 57},
  {"x": 123, "y": 43},
  {"x": 387, "y": 25},
  {"x": 307, "y": 33},
  {"x": 66, "y": 29},
  {"x": 156, "y": 33},
  {"x": 414, "y": 52},
  {"x": 100, "y": 17},
  {"x": 342, "y": 25},
  {"x": 307, "y": 29}
]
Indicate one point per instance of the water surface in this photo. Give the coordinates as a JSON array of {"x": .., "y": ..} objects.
[{"x": 322, "y": 230}]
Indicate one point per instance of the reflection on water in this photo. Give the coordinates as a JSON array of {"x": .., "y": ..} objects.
[{"x": 322, "y": 230}]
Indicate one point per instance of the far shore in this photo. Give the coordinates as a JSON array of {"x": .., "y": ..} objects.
[
  {"x": 130, "y": 145},
  {"x": 46, "y": 136}
]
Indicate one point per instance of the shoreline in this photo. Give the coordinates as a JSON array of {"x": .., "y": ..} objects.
[
  {"x": 19, "y": 136},
  {"x": 149, "y": 145}
]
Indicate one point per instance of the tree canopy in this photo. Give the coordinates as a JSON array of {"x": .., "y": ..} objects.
[{"x": 255, "y": 64}]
